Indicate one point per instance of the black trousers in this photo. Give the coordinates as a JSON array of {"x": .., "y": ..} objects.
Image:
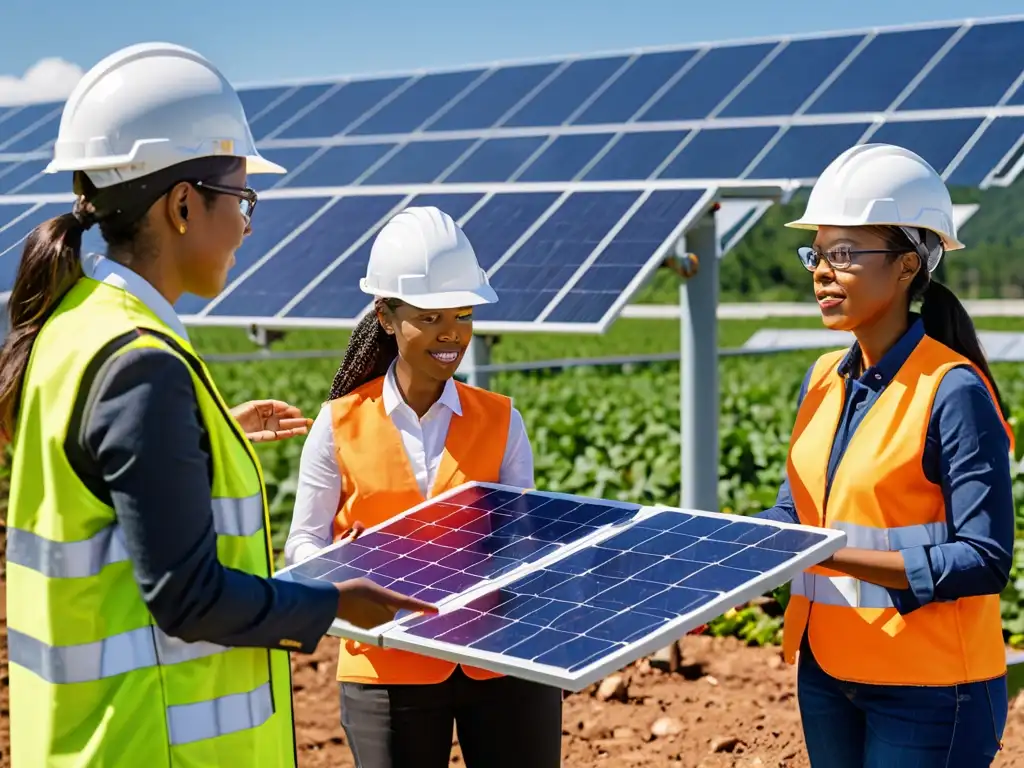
[{"x": 501, "y": 723}]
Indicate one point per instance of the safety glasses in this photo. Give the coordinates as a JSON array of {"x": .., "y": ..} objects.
[
  {"x": 246, "y": 197},
  {"x": 841, "y": 257}
]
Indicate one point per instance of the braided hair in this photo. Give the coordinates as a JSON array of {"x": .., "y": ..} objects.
[{"x": 370, "y": 352}]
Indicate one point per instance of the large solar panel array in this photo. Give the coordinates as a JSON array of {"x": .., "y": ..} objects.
[
  {"x": 568, "y": 173},
  {"x": 557, "y": 588}
]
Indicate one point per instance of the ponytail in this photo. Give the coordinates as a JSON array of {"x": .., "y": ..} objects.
[
  {"x": 370, "y": 352},
  {"x": 946, "y": 321},
  {"x": 49, "y": 267}
]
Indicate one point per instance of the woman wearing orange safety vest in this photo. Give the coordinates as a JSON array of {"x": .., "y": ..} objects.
[
  {"x": 398, "y": 430},
  {"x": 902, "y": 442}
]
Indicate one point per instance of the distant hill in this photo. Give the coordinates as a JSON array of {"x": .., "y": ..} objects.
[{"x": 764, "y": 266}]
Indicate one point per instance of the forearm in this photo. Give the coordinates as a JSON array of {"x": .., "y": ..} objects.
[
  {"x": 160, "y": 489},
  {"x": 886, "y": 569}
]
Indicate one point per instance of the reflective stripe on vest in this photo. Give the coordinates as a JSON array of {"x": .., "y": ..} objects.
[
  {"x": 87, "y": 557},
  {"x": 854, "y": 593}
]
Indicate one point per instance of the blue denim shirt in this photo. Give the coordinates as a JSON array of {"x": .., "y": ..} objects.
[{"x": 967, "y": 453}]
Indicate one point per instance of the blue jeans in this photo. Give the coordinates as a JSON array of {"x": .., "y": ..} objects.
[{"x": 856, "y": 725}]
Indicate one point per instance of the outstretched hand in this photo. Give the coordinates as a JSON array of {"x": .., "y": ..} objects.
[{"x": 267, "y": 420}]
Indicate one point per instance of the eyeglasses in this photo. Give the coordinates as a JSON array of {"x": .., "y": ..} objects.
[
  {"x": 841, "y": 257},
  {"x": 247, "y": 197}
]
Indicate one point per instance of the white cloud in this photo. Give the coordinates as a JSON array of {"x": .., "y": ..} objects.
[{"x": 50, "y": 79}]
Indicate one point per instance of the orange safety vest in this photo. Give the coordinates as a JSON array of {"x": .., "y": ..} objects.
[
  {"x": 378, "y": 483},
  {"x": 881, "y": 498}
]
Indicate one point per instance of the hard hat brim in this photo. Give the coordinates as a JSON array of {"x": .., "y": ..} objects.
[
  {"x": 443, "y": 300},
  {"x": 257, "y": 163},
  {"x": 949, "y": 243}
]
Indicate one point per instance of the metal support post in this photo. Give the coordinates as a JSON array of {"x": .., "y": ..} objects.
[
  {"x": 478, "y": 355},
  {"x": 698, "y": 366}
]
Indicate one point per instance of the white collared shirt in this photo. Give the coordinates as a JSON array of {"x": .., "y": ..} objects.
[
  {"x": 108, "y": 271},
  {"x": 319, "y": 492}
]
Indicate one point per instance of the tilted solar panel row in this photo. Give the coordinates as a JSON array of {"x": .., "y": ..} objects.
[
  {"x": 554, "y": 257},
  {"x": 969, "y": 148},
  {"x": 947, "y": 67}
]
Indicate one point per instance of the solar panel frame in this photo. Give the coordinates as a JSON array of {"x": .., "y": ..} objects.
[{"x": 395, "y": 634}]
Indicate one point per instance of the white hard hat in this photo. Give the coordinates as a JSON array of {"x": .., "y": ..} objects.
[
  {"x": 886, "y": 185},
  {"x": 423, "y": 257},
  {"x": 148, "y": 107}
]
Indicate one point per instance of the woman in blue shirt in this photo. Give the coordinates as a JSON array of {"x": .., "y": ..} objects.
[{"x": 902, "y": 662}]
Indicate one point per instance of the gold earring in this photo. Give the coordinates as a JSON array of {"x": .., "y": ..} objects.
[{"x": 182, "y": 229}]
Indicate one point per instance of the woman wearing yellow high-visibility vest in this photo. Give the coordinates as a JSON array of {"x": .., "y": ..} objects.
[
  {"x": 902, "y": 442},
  {"x": 143, "y": 629}
]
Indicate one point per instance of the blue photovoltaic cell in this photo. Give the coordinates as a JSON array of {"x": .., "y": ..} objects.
[
  {"x": 635, "y": 156},
  {"x": 886, "y": 65},
  {"x": 14, "y": 174},
  {"x": 1017, "y": 99},
  {"x": 502, "y": 220},
  {"x": 531, "y": 277},
  {"x": 273, "y": 220},
  {"x": 255, "y": 100},
  {"x": 634, "y": 87},
  {"x": 804, "y": 151},
  {"x": 602, "y": 598},
  {"x": 267, "y": 290},
  {"x": 46, "y": 184},
  {"x": 411, "y": 108},
  {"x": 338, "y": 166},
  {"x": 483, "y": 106},
  {"x": 565, "y": 157},
  {"x": 629, "y": 251},
  {"x": 709, "y": 81},
  {"x": 420, "y": 162},
  {"x": 937, "y": 141},
  {"x": 791, "y": 77},
  {"x": 29, "y": 128},
  {"x": 339, "y": 110},
  {"x": 12, "y": 240},
  {"x": 285, "y": 109},
  {"x": 721, "y": 153},
  {"x": 452, "y": 545},
  {"x": 289, "y": 158},
  {"x": 556, "y": 102},
  {"x": 976, "y": 72},
  {"x": 8, "y": 213},
  {"x": 338, "y": 293},
  {"x": 495, "y": 159},
  {"x": 995, "y": 143}
]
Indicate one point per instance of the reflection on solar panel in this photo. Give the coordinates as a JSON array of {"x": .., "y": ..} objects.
[
  {"x": 556, "y": 588},
  {"x": 704, "y": 117}
]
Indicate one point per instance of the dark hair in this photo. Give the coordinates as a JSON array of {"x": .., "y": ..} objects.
[
  {"x": 50, "y": 262},
  {"x": 945, "y": 318},
  {"x": 370, "y": 351}
]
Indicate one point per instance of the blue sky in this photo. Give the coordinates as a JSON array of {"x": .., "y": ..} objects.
[{"x": 260, "y": 40}]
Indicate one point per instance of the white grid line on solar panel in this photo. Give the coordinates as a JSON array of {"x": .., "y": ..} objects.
[
  {"x": 638, "y": 127},
  {"x": 772, "y": 121},
  {"x": 777, "y": 44},
  {"x": 461, "y": 540},
  {"x": 584, "y": 639}
]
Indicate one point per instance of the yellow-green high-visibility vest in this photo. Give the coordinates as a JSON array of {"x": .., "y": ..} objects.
[{"x": 93, "y": 681}]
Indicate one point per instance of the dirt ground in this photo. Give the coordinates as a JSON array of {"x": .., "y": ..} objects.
[{"x": 725, "y": 705}]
